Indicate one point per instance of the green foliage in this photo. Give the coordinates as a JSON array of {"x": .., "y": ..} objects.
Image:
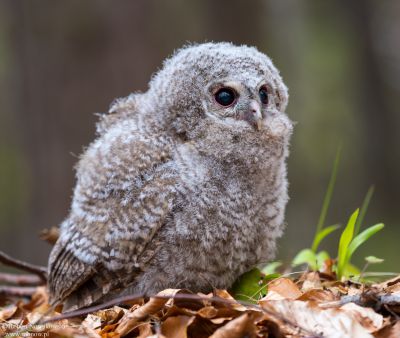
[
  {"x": 373, "y": 260},
  {"x": 350, "y": 270},
  {"x": 345, "y": 239},
  {"x": 314, "y": 260},
  {"x": 319, "y": 236},
  {"x": 306, "y": 256},
  {"x": 247, "y": 285},
  {"x": 350, "y": 238},
  {"x": 252, "y": 285},
  {"x": 362, "y": 238},
  {"x": 270, "y": 268},
  {"x": 348, "y": 244}
]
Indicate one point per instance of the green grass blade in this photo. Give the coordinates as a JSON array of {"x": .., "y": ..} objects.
[
  {"x": 345, "y": 240},
  {"x": 328, "y": 194},
  {"x": 322, "y": 234},
  {"x": 362, "y": 237},
  {"x": 363, "y": 210}
]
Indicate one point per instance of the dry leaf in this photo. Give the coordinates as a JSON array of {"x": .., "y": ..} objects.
[
  {"x": 39, "y": 302},
  {"x": 176, "y": 327},
  {"x": 327, "y": 268},
  {"x": 190, "y": 304},
  {"x": 242, "y": 326},
  {"x": 111, "y": 316},
  {"x": 331, "y": 323},
  {"x": 176, "y": 311},
  {"x": 109, "y": 331},
  {"x": 7, "y": 312},
  {"x": 130, "y": 320},
  {"x": 208, "y": 312},
  {"x": 311, "y": 282},
  {"x": 50, "y": 235},
  {"x": 226, "y": 295},
  {"x": 223, "y": 294},
  {"x": 145, "y": 330},
  {"x": 294, "y": 314},
  {"x": 282, "y": 288},
  {"x": 391, "y": 285},
  {"x": 352, "y": 291},
  {"x": 390, "y": 331},
  {"x": 318, "y": 295},
  {"x": 394, "y": 288},
  {"x": 367, "y": 317},
  {"x": 73, "y": 332},
  {"x": 92, "y": 321}
]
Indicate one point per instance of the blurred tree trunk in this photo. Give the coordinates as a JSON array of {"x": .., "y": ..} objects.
[
  {"x": 233, "y": 20},
  {"x": 66, "y": 71},
  {"x": 380, "y": 118}
]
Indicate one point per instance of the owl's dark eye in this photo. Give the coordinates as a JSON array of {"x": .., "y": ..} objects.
[
  {"x": 263, "y": 95},
  {"x": 225, "y": 96}
]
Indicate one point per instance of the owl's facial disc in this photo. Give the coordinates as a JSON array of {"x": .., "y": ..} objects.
[
  {"x": 236, "y": 100},
  {"x": 252, "y": 114}
]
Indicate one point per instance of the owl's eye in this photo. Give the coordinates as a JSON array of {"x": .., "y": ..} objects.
[
  {"x": 225, "y": 96},
  {"x": 263, "y": 95}
]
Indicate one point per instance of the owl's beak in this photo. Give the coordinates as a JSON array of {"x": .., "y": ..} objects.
[{"x": 253, "y": 115}]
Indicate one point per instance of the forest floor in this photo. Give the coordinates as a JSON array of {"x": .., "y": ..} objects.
[{"x": 312, "y": 305}]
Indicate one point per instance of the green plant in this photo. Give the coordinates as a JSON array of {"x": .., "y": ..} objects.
[
  {"x": 252, "y": 285},
  {"x": 350, "y": 238},
  {"x": 271, "y": 268},
  {"x": 349, "y": 242},
  {"x": 368, "y": 261}
]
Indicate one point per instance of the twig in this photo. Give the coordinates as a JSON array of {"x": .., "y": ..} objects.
[
  {"x": 18, "y": 291},
  {"x": 35, "y": 269},
  {"x": 394, "y": 314},
  {"x": 21, "y": 280},
  {"x": 390, "y": 299},
  {"x": 365, "y": 299}
]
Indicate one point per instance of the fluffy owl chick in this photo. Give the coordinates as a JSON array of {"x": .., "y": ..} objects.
[{"x": 185, "y": 186}]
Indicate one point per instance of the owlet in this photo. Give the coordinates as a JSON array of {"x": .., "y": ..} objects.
[{"x": 185, "y": 185}]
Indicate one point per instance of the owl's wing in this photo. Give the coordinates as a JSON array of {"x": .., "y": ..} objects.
[{"x": 125, "y": 191}]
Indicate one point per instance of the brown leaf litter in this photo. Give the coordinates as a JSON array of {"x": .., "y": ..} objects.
[{"x": 310, "y": 306}]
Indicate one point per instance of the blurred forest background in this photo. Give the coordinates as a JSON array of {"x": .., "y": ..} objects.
[{"x": 62, "y": 61}]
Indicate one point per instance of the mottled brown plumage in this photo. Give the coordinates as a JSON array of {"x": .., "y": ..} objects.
[{"x": 185, "y": 186}]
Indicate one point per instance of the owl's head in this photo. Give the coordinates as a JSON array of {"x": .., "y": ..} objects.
[{"x": 235, "y": 86}]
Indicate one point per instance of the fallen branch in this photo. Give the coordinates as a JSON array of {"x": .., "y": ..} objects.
[
  {"x": 17, "y": 291},
  {"x": 21, "y": 280},
  {"x": 35, "y": 269},
  {"x": 365, "y": 299}
]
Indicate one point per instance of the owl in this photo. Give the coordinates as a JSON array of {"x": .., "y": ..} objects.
[{"x": 185, "y": 185}]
